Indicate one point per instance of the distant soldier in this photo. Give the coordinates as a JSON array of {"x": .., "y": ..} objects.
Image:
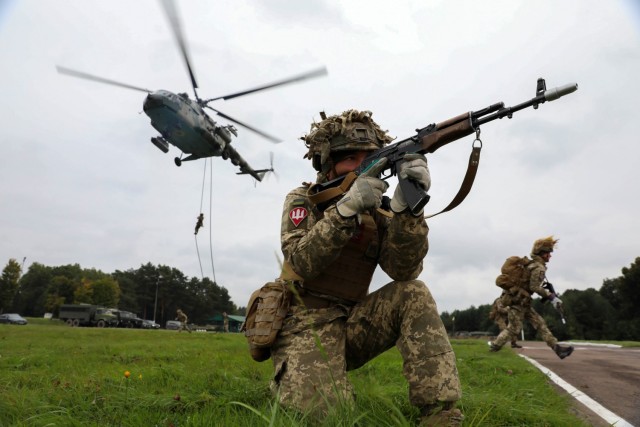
[
  {"x": 500, "y": 315},
  {"x": 519, "y": 307},
  {"x": 225, "y": 321},
  {"x": 183, "y": 319},
  {"x": 199, "y": 223}
]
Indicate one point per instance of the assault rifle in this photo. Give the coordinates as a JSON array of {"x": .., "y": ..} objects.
[
  {"x": 428, "y": 140},
  {"x": 548, "y": 286}
]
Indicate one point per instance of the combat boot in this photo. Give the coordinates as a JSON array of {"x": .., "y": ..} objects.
[
  {"x": 493, "y": 347},
  {"x": 441, "y": 416},
  {"x": 515, "y": 345},
  {"x": 563, "y": 351}
]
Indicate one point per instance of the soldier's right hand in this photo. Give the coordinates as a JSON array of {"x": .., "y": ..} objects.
[{"x": 365, "y": 192}]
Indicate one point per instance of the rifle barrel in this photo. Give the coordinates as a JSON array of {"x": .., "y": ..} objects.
[{"x": 548, "y": 95}]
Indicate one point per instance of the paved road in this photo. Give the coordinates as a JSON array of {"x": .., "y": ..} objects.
[{"x": 610, "y": 376}]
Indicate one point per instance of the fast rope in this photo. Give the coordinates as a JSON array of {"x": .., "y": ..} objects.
[
  {"x": 195, "y": 234},
  {"x": 213, "y": 268},
  {"x": 201, "y": 218}
]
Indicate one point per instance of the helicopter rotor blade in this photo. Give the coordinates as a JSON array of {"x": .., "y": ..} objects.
[
  {"x": 172, "y": 15},
  {"x": 246, "y": 126},
  {"x": 80, "y": 74},
  {"x": 271, "y": 169},
  {"x": 309, "y": 75}
]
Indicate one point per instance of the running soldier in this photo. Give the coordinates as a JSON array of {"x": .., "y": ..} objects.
[
  {"x": 183, "y": 319},
  {"x": 519, "y": 305}
]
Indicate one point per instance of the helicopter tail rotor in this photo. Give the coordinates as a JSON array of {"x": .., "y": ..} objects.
[
  {"x": 271, "y": 170},
  {"x": 265, "y": 173}
]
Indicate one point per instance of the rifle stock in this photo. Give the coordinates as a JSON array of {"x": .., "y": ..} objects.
[{"x": 430, "y": 139}]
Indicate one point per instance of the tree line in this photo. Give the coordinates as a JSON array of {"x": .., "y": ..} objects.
[
  {"x": 151, "y": 292},
  {"x": 610, "y": 313}
]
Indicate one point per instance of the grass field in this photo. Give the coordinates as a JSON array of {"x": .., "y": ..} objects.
[{"x": 54, "y": 375}]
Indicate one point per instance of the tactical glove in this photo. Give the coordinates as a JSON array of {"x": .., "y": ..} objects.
[
  {"x": 414, "y": 168},
  {"x": 365, "y": 192}
]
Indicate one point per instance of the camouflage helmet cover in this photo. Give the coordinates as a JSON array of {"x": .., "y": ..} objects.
[
  {"x": 352, "y": 130},
  {"x": 545, "y": 244}
]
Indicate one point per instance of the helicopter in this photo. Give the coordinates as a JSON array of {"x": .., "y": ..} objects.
[{"x": 183, "y": 122}]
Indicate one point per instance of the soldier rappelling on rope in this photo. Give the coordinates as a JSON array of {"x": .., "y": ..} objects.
[{"x": 199, "y": 223}]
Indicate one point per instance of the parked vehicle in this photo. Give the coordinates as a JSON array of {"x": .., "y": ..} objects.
[
  {"x": 87, "y": 315},
  {"x": 150, "y": 324},
  {"x": 172, "y": 324},
  {"x": 127, "y": 319},
  {"x": 13, "y": 318}
]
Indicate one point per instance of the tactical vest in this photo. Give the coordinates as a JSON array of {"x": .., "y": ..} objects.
[{"x": 349, "y": 276}]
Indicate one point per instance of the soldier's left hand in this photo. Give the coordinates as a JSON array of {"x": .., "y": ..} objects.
[
  {"x": 416, "y": 169},
  {"x": 556, "y": 302}
]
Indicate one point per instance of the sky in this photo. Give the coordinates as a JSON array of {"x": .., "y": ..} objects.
[{"x": 81, "y": 183}]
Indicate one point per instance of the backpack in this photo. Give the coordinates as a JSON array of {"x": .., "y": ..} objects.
[{"x": 514, "y": 273}]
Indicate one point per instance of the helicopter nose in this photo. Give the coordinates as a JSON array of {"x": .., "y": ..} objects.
[{"x": 152, "y": 101}]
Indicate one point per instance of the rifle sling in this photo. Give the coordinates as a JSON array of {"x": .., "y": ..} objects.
[
  {"x": 333, "y": 192},
  {"x": 467, "y": 182}
]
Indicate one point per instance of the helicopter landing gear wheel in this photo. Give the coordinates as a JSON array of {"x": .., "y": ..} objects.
[{"x": 177, "y": 161}]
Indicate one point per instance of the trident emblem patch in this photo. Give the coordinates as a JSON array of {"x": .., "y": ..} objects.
[{"x": 297, "y": 215}]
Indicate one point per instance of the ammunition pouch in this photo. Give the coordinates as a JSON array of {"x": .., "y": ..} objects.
[{"x": 266, "y": 310}]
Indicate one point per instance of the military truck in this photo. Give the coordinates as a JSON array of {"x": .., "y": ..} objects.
[
  {"x": 126, "y": 319},
  {"x": 87, "y": 315}
]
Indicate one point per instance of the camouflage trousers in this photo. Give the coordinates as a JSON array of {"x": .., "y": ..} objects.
[
  {"x": 502, "y": 320},
  {"x": 317, "y": 347},
  {"x": 517, "y": 316}
]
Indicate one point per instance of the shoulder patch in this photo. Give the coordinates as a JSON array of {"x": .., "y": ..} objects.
[
  {"x": 297, "y": 215},
  {"x": 298, "y": 202}
]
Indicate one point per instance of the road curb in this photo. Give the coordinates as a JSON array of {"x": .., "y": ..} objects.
[{"x": 594, "y": 406}]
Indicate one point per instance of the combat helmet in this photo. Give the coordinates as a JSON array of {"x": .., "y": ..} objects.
[
  {"x": 352, "y": 130},
  {"x": 546, "y": 244}
]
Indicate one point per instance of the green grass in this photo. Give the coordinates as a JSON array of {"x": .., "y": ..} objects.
[{"x": 52, "y": 374}]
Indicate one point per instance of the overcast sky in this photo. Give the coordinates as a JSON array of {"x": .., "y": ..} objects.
[{"x": 80, "y": 181}]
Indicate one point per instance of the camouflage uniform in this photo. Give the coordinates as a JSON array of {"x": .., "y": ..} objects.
[
  {"x": 519, "y": 307},
  {"x": 327, "y": 336}
]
